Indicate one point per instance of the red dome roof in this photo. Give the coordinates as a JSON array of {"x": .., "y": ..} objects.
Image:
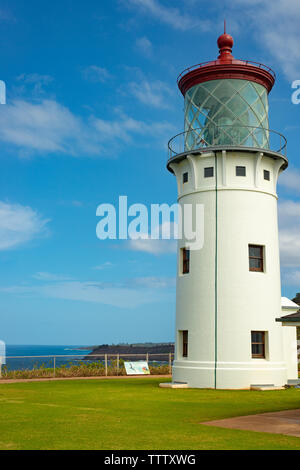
[{"x": 226, "y": 66}]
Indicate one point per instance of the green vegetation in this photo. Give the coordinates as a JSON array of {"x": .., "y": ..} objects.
[
  {"x": 133, "y": 414},
  {"x": 81, "y": 369}
]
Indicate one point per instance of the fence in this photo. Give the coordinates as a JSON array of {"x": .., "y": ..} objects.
[{"x": 89, "y": 365}]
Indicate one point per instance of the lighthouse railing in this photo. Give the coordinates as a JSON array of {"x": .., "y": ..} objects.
[
  {"x": 216, "y": 62},
  {"x": 227, "y": 135}
]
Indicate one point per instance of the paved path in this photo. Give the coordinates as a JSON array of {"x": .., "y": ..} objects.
[
  {"x": 281, "y": 422},
  {"x": 50, "y": 379}
]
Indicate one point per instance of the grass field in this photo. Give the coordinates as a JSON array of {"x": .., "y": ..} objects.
[{"x": 133, "y": 414}]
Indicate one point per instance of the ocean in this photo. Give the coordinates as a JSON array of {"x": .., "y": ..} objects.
[{"x": 14, "y": 362}]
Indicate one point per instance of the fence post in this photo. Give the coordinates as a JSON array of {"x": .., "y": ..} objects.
[
  {"x": 118, "y": 363},
  {"x": 54, "y": 365},
  {"x": 106, "y": 365},
  {"x": 147, "y": 357},
  {"x": 170, "y": 363}
]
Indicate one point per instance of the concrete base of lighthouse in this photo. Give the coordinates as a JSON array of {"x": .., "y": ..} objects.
[{"x": 229, "y": 375}]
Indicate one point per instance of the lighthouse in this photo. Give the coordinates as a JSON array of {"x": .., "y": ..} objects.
[{"x": 228, "y": 293}]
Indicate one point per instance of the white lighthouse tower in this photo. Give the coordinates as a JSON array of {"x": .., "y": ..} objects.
[{"x": 229, "y": 292}]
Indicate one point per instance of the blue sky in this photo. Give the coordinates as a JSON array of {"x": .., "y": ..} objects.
[{"x": 91, "y": 103}]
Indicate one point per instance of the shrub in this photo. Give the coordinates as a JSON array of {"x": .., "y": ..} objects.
[{"x": 78, "y": 369}]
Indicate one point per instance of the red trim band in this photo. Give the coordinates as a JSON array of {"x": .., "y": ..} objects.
[{"x": 241, "y": 71}]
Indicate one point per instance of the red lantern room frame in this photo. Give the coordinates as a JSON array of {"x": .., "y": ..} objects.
[{"x": 226, "y": 66}]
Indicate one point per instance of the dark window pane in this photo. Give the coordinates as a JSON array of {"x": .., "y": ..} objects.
[
  {"x": 255, "y": 263},
  {"x": 209, "y": 172},
  {"x": 261, "y": 335},
  {"x": 267, "y": 175},
  {"x": 185, "y": 343},
  {"x": 256, "y": 258},
  {"x": 185, "y": 261},
  {"x": 257, "y": 336},
  {"x": 255, "y": 251},
  {"x": 185, "y": 177},
  {"x": 258, "y": 344},
  {"x": 240, "y": 171},
  {"x": 258, "y": 350}
]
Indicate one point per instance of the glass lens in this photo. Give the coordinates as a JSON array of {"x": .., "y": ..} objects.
[{"x": 228, "y": 112}]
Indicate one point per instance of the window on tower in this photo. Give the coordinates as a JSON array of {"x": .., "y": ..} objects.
[
  {"x": 267, "y": 175},
  {"x": 185, "y": 259},
  {"x": 256, "y": 258},
  {"x": 209, "y": 172},
  {"x": 185, "y": 336},
  {"x": 258, "y": 344},
  {"x": 240, "y": 170},
  {"x": 185, "y": 177}
]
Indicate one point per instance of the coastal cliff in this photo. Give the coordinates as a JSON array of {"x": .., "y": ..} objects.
[{"x": 138, "y": 352}]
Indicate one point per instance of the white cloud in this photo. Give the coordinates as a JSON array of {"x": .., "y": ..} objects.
[
  {"x": 44, "y": 276},
  {"x": 154, "y": 247},
  {"x": 276, "y": 25},
  {"x": 156, "y": 282},
  {"x": 76, "y": 203},
  {"x": 35, "y": 78},
  {"x": 34, "y": 81},
  {"x": 168, "y": 15},
  {"x": 18, "y": 225},
  {"x": 144, "y": 45},
  {"x": 129, "y": 294},
  {"x": 43, "y": 127},
  {"x": 289, "y": 247},
  {"x": 289, "y": 212},
  {"x": 123, "y": 129},
  {"x": 49, "y": 127},
  {"x": 167, "y": 234},
  {"x": 102, "y": 266},
  {"x": 156, "y": 94},
  {"x": 289, "y": 233},
  {"x": 96, "y": 74},
  {"x": 293, "y": 278},
  {"x": 290, "y": 179}
]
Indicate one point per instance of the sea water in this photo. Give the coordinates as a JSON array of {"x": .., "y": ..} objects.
[{"x": 15, "y": 362}]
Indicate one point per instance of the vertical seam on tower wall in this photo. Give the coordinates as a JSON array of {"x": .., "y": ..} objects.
[{"x": 216, "y": 274}]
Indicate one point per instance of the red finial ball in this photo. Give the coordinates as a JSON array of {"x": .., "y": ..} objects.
[{"x": 225, "y": 41}]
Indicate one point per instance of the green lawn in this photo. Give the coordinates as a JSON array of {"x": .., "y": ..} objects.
[{"x": 133, "y": 414}]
